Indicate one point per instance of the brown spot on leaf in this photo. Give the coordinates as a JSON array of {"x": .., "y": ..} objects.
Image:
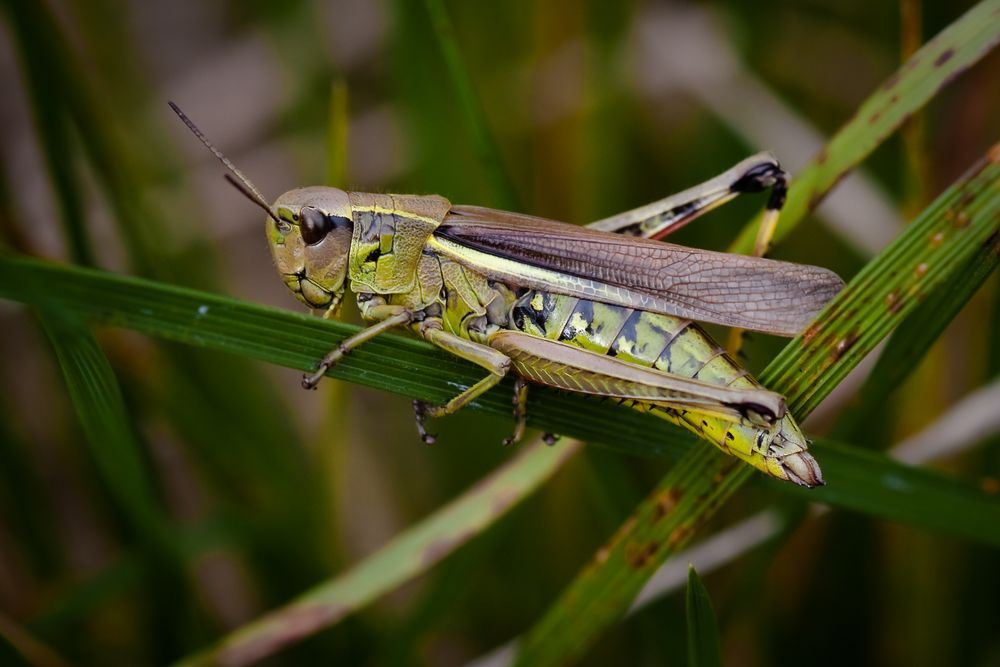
[
  {"x": 893, "y": 302},
  {"x": 874, "y": 117},
  {"x": 961, "y": 220},
  {"x": 891, "y": 81},
  {"x": 627, "y": 526},
  {"x": 944, "y": 57},
  {"x": 810, "y": 332},
  {"x": 990, "y": 485},
  {"x": 814, "y": 200},
  {"x": 678, "y": 536},
  {"x": 994, "y": 153},
  {"x": 665, "y": 503},
  {"x": 843, "y": 345},
  {"x": 638, "y": 556},
  {"x": 937, "y": 239},
  {"x": 920, "y": 270}
]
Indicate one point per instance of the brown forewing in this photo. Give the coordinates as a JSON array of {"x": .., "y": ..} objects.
[{"x": 734, "y": 290}]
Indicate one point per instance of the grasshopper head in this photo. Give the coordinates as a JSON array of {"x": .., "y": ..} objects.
[
  {"x": 309, "y": 230},
  {"x": 310, "y": 237}
]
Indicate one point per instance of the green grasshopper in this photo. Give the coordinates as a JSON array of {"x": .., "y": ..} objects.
[{"x": 606, "y": 310}]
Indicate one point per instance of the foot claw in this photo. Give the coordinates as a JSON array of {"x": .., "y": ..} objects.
[
  {"x": 420, "y": 410},
  {"x": 310, "y": 380}
]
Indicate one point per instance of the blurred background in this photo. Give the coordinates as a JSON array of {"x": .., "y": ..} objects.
[{"x": 592, "y": 108}]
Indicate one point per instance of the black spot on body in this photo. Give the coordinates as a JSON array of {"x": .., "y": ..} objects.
[
  {"x": 682, "y": 210},
  {"x": 628, "y": 333},
  {"x": 523, "y": 311},
  {"x": 585, "y": 309},
  {"x": 340, "y": 222},
  {"x": 369, "y": 227}
]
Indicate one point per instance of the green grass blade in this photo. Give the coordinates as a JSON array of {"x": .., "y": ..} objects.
[
  {"x": 472, "y": 108},
  {"x": 408, "y": 554},
  {"x": 703, "y": 630},
  {"x": 336, "y": 133},
  {"x": 951, "y": 52},
  {"x": 100, "y": 409},
  {"x": 52, "y": 123},
  {"x": 948, "y": 234},
  {"x": 418, "y": 370},
  {"x": 859, "y": 479},
  {"x": 679, "y": 505},
  {"x": 966, "y": 216},
  {"x": 298, "y": 340},
  {"x": 915, "y": 336}
]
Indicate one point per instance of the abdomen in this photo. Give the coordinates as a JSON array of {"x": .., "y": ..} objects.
[{"x": 671, "y": 345}]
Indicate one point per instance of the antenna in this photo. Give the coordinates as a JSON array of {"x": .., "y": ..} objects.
[{"x": 241, "y": 182}]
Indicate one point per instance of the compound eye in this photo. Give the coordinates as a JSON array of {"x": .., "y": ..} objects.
[{"x": 314, "y": 225}]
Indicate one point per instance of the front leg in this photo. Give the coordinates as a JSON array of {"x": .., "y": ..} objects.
[
  {"x": 385, "y": 316},
  {"x": 495, "y": 362}
]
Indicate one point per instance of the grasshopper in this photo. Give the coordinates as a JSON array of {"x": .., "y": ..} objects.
[{"x": 607, "y": 310}]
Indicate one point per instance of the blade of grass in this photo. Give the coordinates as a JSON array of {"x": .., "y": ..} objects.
[
  {"x": 52, "y": 124},
  {"x": 703, "y": 631},
  {"x": 418, "y": 370},
  {"x": 100, "y": 409},
  {"x": 915, "y": 336},
  {"x": 961, "y": 220},
  {"x": 408, "y": 554},
  {"x": 958, "y": 507},
  {"x": 472, "y": 108},
  {"x": 951, "y": 52},
  {"x": 336, "y": 134},
  {"x": 947, "y": 235}
]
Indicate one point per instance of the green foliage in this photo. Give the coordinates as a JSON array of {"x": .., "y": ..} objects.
[
  {"x": 161, "y": 492},
  {"x": 703, "y": 630}
]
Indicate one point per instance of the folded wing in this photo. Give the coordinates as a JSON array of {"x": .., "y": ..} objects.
[{"x": 733, "y": 290}]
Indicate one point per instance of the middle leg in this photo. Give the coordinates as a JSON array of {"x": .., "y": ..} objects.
[{"x": 495, "y": 362}]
